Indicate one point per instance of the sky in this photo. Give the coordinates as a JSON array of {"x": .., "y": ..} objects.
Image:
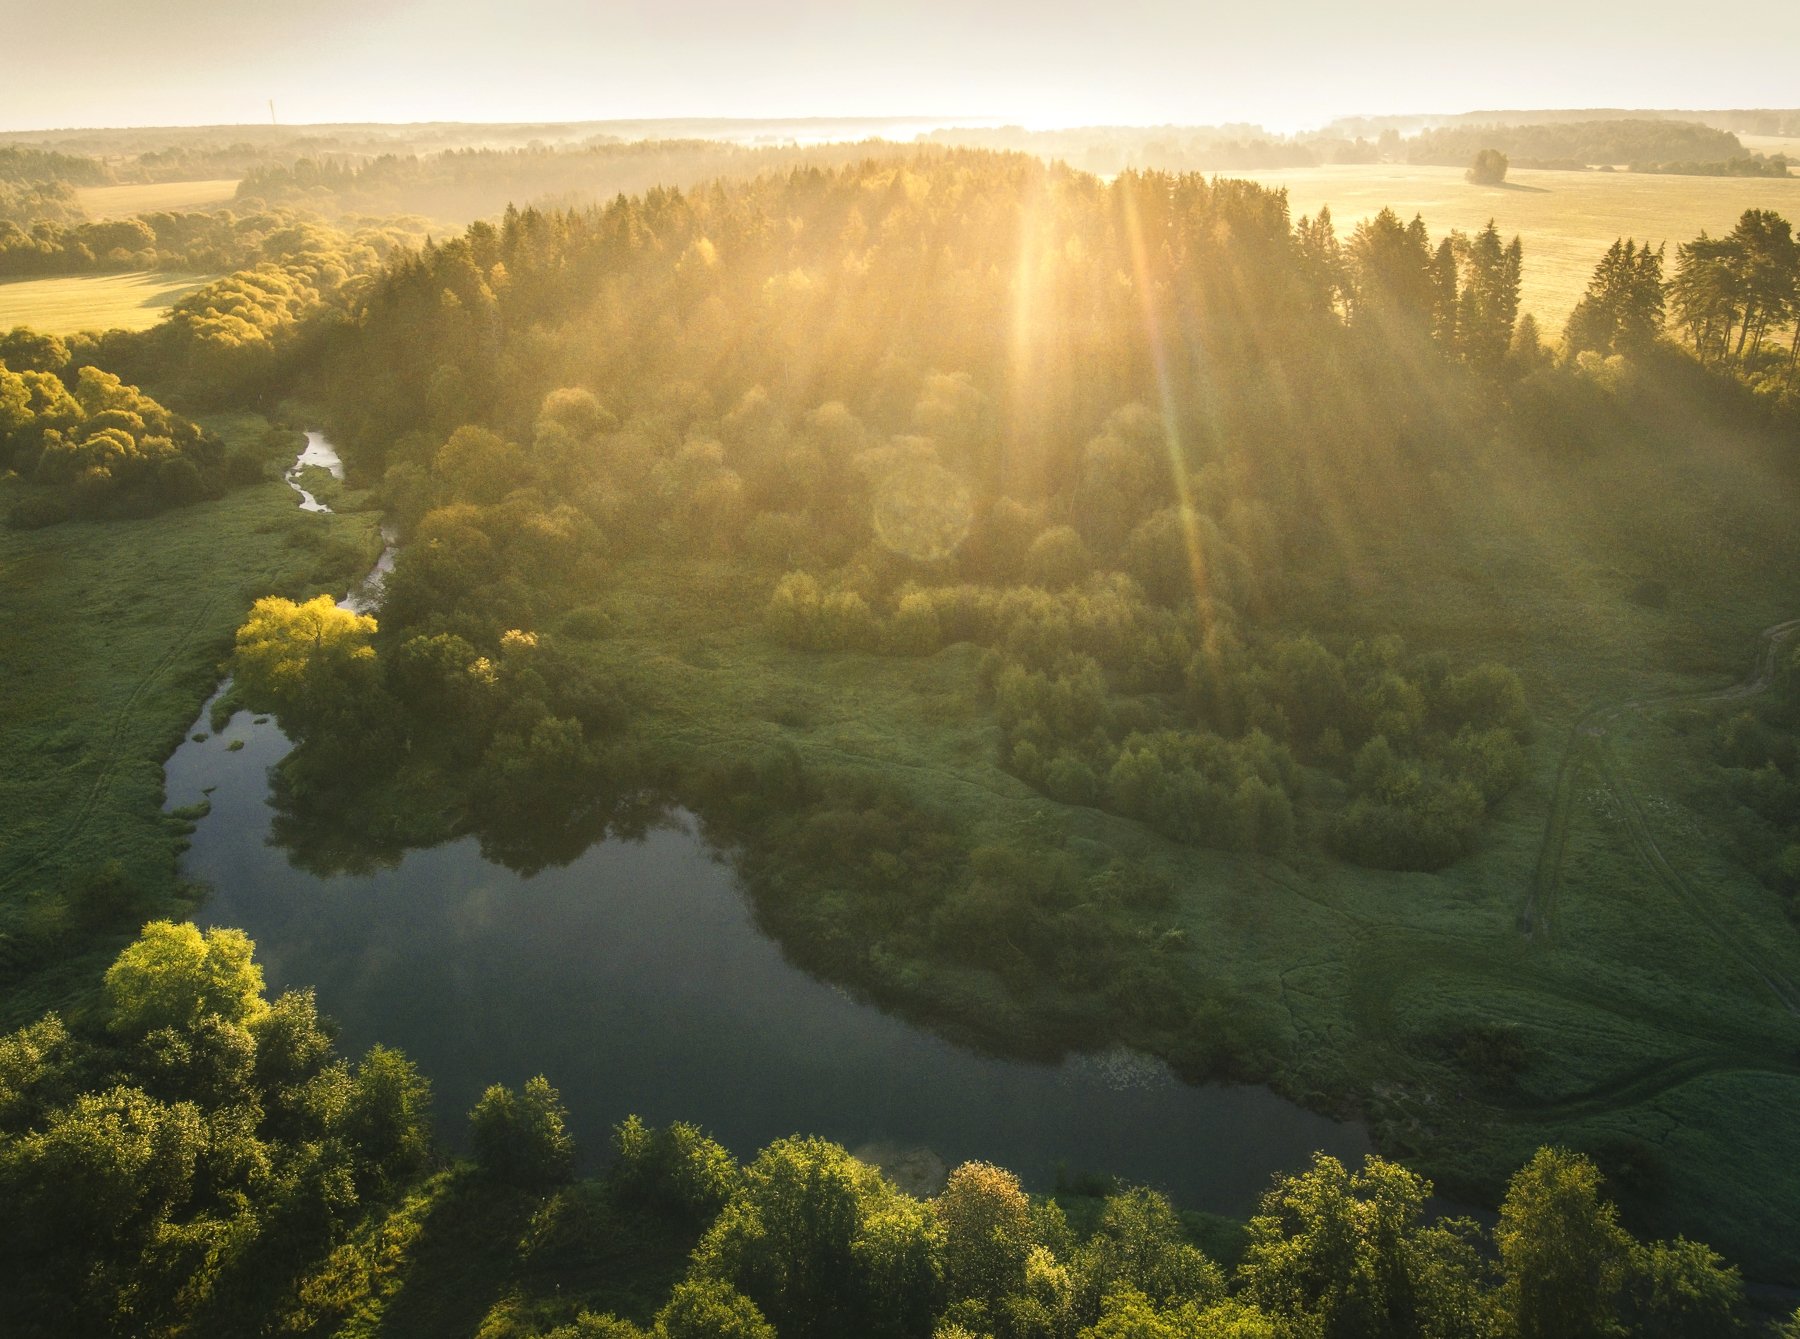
[{"x": 1042, "y": 63}]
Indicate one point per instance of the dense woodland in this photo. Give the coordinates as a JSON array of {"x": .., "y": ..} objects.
[
  {"x": 194, "y": 243},
  {"x": 1579, "y": 144},
  {"x": 941, "y": 475},
  {"x": 190, "y": 1157},
  {"x": 1120, "y": 442},
  {"x": 99, "y": 447}
]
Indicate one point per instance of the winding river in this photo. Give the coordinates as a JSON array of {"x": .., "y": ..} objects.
[{"x": 636, "y": 980}]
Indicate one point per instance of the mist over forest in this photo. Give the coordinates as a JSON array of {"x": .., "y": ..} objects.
[{"x": 1045, "y": 709}]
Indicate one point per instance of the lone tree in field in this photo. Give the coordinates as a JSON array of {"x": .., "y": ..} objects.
[{"x": 1488, "y": 168}]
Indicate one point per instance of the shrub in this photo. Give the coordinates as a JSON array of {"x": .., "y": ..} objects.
[
  {"x": 676, "y": 1168},
  {"x": 38, "y": 513},
  {"x": 522, "y": 1138}
]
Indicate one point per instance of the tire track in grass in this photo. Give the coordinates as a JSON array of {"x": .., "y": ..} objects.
[
  {"x": 1587, "y": 745},
  {"x": 111, "y": 757},
  {"x": 1645, "y": 1082},
  {"x": 1643, "y": 841},
  {"x": 110, "y": 748}
]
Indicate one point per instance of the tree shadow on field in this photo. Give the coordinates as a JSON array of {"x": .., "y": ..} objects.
[{"x": 463, "y": 1261}]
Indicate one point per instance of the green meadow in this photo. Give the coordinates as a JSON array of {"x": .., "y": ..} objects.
[
  {"x": 128, "y": 622},
  {"x": 1639, "y": 1015}
]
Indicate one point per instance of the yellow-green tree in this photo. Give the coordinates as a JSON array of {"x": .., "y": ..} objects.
[
  {"x": 986, "y": 1219},
  {"x": 174, "y": 975},
  {"x": 1563, "y": 1255},
  {"x": 305, "y": 662}
]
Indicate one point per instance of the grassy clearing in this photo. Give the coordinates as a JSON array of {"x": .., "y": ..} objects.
[
  {"x": 110, "y": 202},
  {"x": 1567, "y": 219},
  {"x": 70, "y": 303},
  {"x": 127, "y": 624},
  {"x": 1642, "y": 1033}
]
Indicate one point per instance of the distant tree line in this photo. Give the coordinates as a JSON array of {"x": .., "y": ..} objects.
[
  {"x": 1752, "y": 165},
  {"x": 216, "y": 241},
  {"x": 1110, "y": 149},
  {"x": 1577, "y": 144},
  {"x": 25, "y": 204},
  {"x": 20, "y": 164}
]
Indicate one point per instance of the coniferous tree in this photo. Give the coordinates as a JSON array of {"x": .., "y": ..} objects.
[
  {"x": 1622, "y": 310},
  {"x": 1488, "y": 305}
]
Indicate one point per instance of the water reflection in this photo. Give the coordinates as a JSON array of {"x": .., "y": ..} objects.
[
  {"x": 634, "y": 976},
  {"x": 319, "y": 454}
]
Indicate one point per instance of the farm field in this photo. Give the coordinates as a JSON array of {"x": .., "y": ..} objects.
[
  {"x": 109, "y": 202},
  {"x": 1567, "y": 219},
  {"x": 68, "y": 303},
  {"x": 1772, "y": 144}
]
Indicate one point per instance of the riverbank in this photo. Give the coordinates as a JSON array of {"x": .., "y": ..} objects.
[
  {"x": 1412, "y": 999},
  {"x": 636, "y": 975},
  {"x": 128, "y": 622}
]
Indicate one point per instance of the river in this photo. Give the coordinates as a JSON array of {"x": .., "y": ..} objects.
[{"x": 635, "y": 978}]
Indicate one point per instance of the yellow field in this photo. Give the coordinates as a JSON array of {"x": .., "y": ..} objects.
[
  {"x": 1770, "y": 144},
  {"x": 111, "y": 202},
  {"x": 93, "y": 301},
  {"x": 1567, "y": 219}
]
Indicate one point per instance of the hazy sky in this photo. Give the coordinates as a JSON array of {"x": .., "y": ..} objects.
[{"x": 1042, "y": 62}]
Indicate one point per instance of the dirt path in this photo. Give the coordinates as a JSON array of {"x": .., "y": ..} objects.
[
  {"x": 1650, "y": 1081},
  {"x": 1587, "y": 747}
]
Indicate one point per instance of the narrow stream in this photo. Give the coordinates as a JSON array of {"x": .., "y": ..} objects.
[
  {"x": 321, "y": 454},
  {"x": 635, "y": 978}
]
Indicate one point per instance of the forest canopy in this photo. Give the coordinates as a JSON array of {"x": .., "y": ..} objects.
[{"x": 199, "y": 1159}]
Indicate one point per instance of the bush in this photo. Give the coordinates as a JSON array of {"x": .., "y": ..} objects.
[
  {"x": 793, "y": 611},
  {"x": 244, "y": 467},
  {"x": 914, "y": 630},
  {"x": 845, "y": 623},
  {"x": 38, "y": 513},
  {"x": 522, "y": 1138},
  {"x": 709, "y": 1309},
  {"x": 677, "y": 1169}
]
